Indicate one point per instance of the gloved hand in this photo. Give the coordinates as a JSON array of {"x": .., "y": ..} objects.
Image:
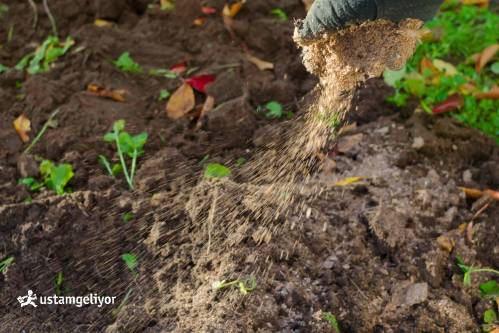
[{"x": 330, "y": 15}]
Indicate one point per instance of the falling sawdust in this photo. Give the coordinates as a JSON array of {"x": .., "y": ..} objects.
[
  {"x": 279, "y": 174},
  {"x": 275, "y": 183}
]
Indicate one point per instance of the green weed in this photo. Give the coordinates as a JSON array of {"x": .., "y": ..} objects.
[
  {"x": 127, "y": 64},
  {"x": 163, "y": 95},
  {"x": 54, "y": 177},
  {"x": 279, "y": 14},
  {"x": 331, "y": 319},
  {"x": 215, "y": 170},
  {"x": 245, "y": 286},
  {"x": 126, "y": 145},
  {"x": 131, "y": 262},
  {"x": 45, "y": 55},
  {"x": 6, "y": 263}
]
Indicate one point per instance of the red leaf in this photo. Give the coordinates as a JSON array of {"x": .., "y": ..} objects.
[
  {"x": 208, "y": 10},
  {"x": 200, "y": 82},
  {"x": 179, "y": 68},
  {"x": 452, "y": 103}
]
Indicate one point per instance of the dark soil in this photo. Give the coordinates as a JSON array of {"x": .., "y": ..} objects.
[{"x": 367, "y": 252}]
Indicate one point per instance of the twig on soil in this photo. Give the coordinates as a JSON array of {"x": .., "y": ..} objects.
[
  {"x": 35, "y": 13},
  {"x": 211, "y": 216},
  {"x": 42, "y": 131},
  {"x": 51, "y": 17}
]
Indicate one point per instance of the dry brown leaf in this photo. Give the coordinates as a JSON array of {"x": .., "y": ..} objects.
[
  {"x": 446, "y": 243},
  {"x": 208, "y": 105},
  {"x": 261, "y": 64},
  {"x": 22, "y": 126},
  {"x": 477, "y": 194},
  {"x": 181, "y": 102},
  {"x": 485, "y": 56},
  {"x": 115, "y": 95},
  {"x": 493, "y": 93}
]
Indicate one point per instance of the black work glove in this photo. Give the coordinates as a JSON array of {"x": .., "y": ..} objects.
[{"x": 330, "y": 15}]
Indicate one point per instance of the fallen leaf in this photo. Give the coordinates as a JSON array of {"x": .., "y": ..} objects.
[
  {"x": 467, "y": 88},
  {"x": 348, "y": 181},
  {"x": 22, "y": 126},
  {"x": 179, "y": 68},
  {"x": 200, "y": 82},
  {"x": 493, "y": 93},
  {"x": 103, "y": 23},
  {"x": 261, "y": 64},
  {"x": 208, "y": 10},
  {"x": 477, "y": 194},
  {"x": 199, "y": 21},
  {"x": 445, "y": 67},
  {"x": 481, "y": 3},
  {"x": 446, "y": 243},
  {"x": 208, "y": 105},
  {"x": 181, "y": 102},
  {"x": 231, "y": 10},
  {"x": 452, "y": 103},
  {"x": 485, "y": 56},
  {"x": 427, "y": 64},
  {"x": 116, "y": 95},
  {"x": 167, "y": 5}
]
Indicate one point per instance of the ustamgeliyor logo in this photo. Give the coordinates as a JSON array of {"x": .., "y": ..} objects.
[{"x": 78, "y": 301}]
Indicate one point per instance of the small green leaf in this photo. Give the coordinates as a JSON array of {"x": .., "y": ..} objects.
[
  {"x": 127, "y": 217},
  {"x": 215, "y": 170},
  {"x": 275, "y": 110},
  {"x": 163, "y": 95},
  {"x": 127, "y": 64},
  {"x": 392, "y": 77},
  {"x": 495, "y": 68},
  {"x": 467, "y": 278},
  {"x": 119, "y": 125},
  {"x": 3, "y": 68},
  {"x": 116, "y": 169},
  {"x": 59, "y": 178},
  {"x": 130, "y": 261},
  {"x": 489, "y": 316},
  {"x": 279, "y": 14},
  {"x": 240, "y": 162},
  {"x": 6, "y": 263},
  {"x": 489, "y": 289},
  {"x": 329, "y": 317}
]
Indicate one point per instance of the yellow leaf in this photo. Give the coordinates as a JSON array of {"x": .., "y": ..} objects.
[
  {"x": 231, "y": 10},
  {"x": 199, "y": 21},
  {"x": 261, "y": 64},
  {"x": 115, "y": 95},
  {"x": 181, "y": 102},
  {"x": 167, "y": 5},
  {"x": 22, "y": 125},
  {"x": 348, "y": 181},
  {"x": 445, "y": 67},
  {"x": 103, "y": 23}
]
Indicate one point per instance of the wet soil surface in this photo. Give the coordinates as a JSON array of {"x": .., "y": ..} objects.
[{"x": 379, "y": 253}]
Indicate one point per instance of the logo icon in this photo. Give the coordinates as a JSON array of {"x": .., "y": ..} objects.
[{"x": 29, "y": 299}]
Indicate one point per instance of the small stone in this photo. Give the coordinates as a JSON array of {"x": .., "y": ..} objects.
[
  {"x": 416, "y": 293},
  {"x": 467, "y": 176},
  {"x": 418, "y": 143},
  {"x": 382, "y": 130}
]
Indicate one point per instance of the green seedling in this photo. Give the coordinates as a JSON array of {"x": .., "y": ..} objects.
[
  {"x": 163, "y": 95},
  {"x": 131, "y": 263},
  {"x": 3, "y": 68},
  {"x": 6, "y": 263},
  {"x": 127, "y": 64},
  {"x": 469, "y": 270},
  {"x": 127, "y": 217},
  {"x": 163, "y": 72},
  {"x": 45, "y": 55},
  {"x": 51, "y": 122},
  {"x": 215, "y": 170},
  {"x": 59, "y": 284},
  {"x": 489, "y": 289},
  {"x": 126, "y": 145},
  {"x": 331, "y": 319},
  {"x": 490, "y": 321},
  {"x": 279, "y": 14},
  {"x": 274, "y": 109},
  {"x": 10, "y": 34},
  {"x": 245, "y": 286},
  {"x": 54, "y": 177},
  {"x": 116, "y": 311},
  {"x": 113, "y": 170},
  {"x": 240, "y": 162}
]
